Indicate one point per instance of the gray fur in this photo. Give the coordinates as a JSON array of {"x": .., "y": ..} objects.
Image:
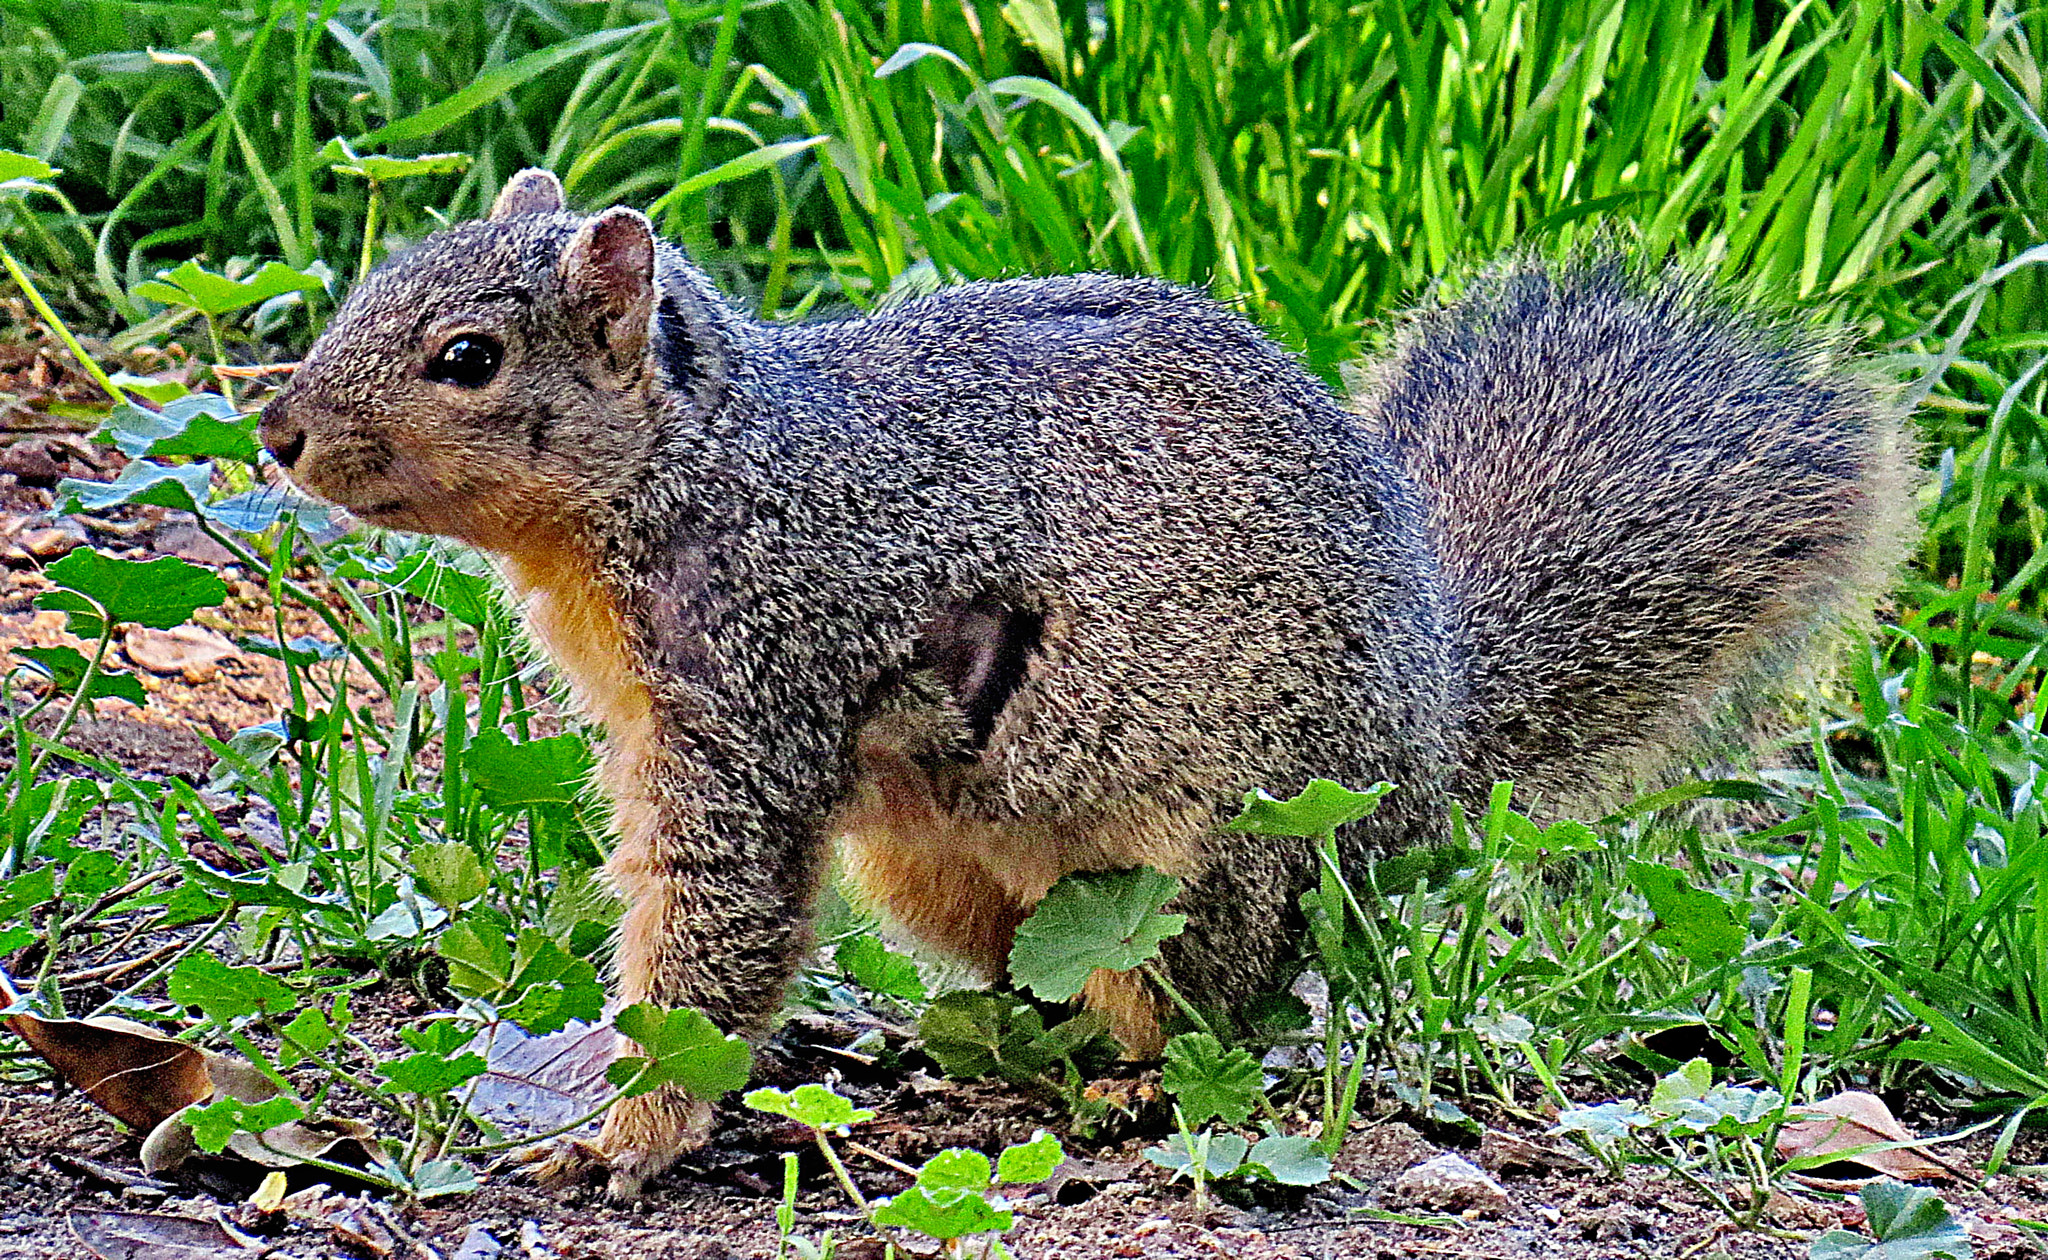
[{"x": 1577, "y": 503}]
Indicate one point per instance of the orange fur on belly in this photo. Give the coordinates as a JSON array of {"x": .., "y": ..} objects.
[{"x": 962, "y": 885}]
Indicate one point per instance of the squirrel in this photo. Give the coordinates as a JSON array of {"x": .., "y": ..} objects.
[{"x": 1035, "y": 576}]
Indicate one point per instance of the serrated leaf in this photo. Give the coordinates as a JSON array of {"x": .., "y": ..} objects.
[
  {"x": 1225, "y": 1153},
  {"x": 1320, "y": 808},
  {"x": 450, "y": 873},
  {"x": 479, "y": 957},
  {"x": 1208, "y": 1081},
  {"x": 1910, "y": 1224},
  {"x": 878, "y": 969},
  {"x": 944, "y": 1214},
  {"x": 955, "y": 1169},
  {"x": 441, "y": 1036},
  {"x": 973, "y": 1035},
  {"x": 158, "y": 593},
  {"x": 141, "y": 483},
  {"x": 430, "y": 1074},
  {"x": 512, "y": 776},
  {"x": 66, "y": 667},
  {"x": 1109, "y": 921},
  {"x": 213, "y": 294},
  {"x": 1031, "y": 1162},
  {"x": 1608, "y": 1122},
  {"x": 223, "y": 993},
  {"x": 682, "y": 1047},
  {"x": 308, "y": 1031},
  {"x": 554, "y": 986},
  {"x": 438, "y": 1178},
  {"x": 1290, "y": 1161},
  {"x": 1698, "y": 923},
  {"x": 215, "y": 1123},
  {"x": 197, "y": 425},
  {"x": 813, "y": 1105}
]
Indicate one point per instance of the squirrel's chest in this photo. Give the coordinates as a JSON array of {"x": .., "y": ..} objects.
[{"x": 579, "y": 625}]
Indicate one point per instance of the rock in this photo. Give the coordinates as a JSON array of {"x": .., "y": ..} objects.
[
  {"x": 32, "y": 463},
  {"x": 185, "y": 541},
  {"x": 52, "y": 541},
  {"x": 191, "y": 651},
  {"x": 1454, "y": 1182}
]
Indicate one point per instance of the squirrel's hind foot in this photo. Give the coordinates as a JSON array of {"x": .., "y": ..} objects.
[{"x": 642, "y": 1136}]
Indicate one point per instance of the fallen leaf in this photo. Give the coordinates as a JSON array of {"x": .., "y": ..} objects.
[
  {"x": 538, "y": 1084},
  {"x": 1849, "y": 1120},
  {"x": 143, "y": 1236},
  {"x": 135, "y": 1072}
]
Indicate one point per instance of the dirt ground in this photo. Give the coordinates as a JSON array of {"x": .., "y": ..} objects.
[{"x": 70, "y": 1183}]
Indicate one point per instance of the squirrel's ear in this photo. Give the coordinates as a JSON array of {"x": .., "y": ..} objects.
[
  {"x": 531, "y": 191},
  {"x": 607, "y": 268}
]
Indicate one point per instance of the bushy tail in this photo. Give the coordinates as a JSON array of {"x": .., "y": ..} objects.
[{"x": 1643, "y": 496}]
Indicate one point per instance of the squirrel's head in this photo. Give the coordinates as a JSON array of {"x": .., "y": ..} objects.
[{"x": 502, "y": 382}]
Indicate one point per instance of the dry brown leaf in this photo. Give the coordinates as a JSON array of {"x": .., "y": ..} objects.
[
  {"x": 131, "y": 1070},
  {"x": 146, "y": 1236},
  {"x": 1849, "y": 1120}
]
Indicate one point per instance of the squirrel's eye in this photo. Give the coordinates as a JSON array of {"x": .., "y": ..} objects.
[{"x": 470, "y": 360}]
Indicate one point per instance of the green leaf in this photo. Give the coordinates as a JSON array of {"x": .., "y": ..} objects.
[
  {"x": 430, "y": 1074},
  {"x": 438, "y": 1178},
  {"x": 1109, "y": 921},
  {"x": 378, "y": 167},
  {"x": 159, "y": 593},
  {"x": 66, "y": 668},
  {"x": 512, "y": 776},
  {"x": 23, "y": 893},
  {"x": 215, "y": 1123},
  {"x": 1290, "y": 1161},
  {"x": 479, "y": 957},
  {"x": 223, "y": 993},
  {"x": 213, "y": 294},
  {"x": 1910, "y": 1224},
  {"x": 1225, "y": 1153},
  {"x": 450, "y": 873},
  {"x": 310, "y": 1031},
  {"x": 955, "y": 1169},
  {"x": 1208, "y": 1081},
  {"x": 440, "y": 1036},
  {"x": 943, "y": 1214},
  {"x": 812, "y": 1105},
  {"x": 878, "y": 969},
  {"x": 492, "y": 85},
  {"x": 974, "y": 1035},
  {"x": 21, "y": 173},
  {"x": 683, "y": 1047},
  {"x": 141, "y": 482},
  {"x": 1318, "y": 809},
  {"x": 204, "y": 426},
  {"x": 1607, "y": 1123},
  {"x": 1029, "y": 1163},
  {"x": 554, "y": 986},
  {"x": 1699, "y": 924}
]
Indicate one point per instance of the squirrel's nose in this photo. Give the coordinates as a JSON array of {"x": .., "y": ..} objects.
[{"x": 283, "y": 438}]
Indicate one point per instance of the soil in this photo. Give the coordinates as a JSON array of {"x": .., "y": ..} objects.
[{"x": 66, "y": 1167}]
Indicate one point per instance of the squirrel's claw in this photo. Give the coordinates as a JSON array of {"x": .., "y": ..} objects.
[{"x": 642, "y": 1136}]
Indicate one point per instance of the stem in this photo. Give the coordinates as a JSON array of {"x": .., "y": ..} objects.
[
  {"x": 1158, "y": 976},
  {"x": 92, "y": 672},
  {"x": 370, "y": 229},
  {"x": 35, "y": 299},
  {"x": 317, "y": 607},
  {"x": 334, "y": 1070}
]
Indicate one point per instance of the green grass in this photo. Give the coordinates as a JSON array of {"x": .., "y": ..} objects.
[{"x": 1316, "y": 164}]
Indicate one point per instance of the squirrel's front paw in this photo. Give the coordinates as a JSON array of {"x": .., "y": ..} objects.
[{"x": 641, "y": 1137}]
